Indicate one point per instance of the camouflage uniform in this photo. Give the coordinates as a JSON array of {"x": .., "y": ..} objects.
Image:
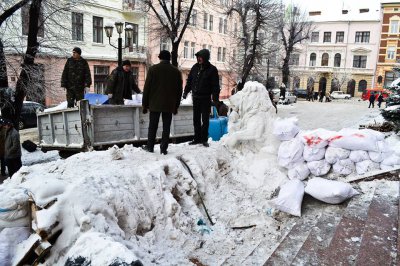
[{"x": 75, "y": 78}]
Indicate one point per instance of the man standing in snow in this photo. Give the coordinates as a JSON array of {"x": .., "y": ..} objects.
[
  {"x": 371, "y": 100},
  {"x": 12, "y": 148},
  {"x": 2, "y": 140},
  {"x": 203, "y": 81},
  {"x": 76, "y": 77},
  {"x": 380, "y": 100},
  {"x": 162, "y": 96}
]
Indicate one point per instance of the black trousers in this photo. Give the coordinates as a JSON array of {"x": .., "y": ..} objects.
[
  {"x": 151, "y": 137},
  {"x": 73, "y": 96},
  {"x": 3, "y": 166},
  {"x": 201, "y": 118},
  {"x": 371, "y": 103},
  {"x": 13, "y": 165}
]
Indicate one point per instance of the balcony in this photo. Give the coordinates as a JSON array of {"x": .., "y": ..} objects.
[
  {"x": 131, "y": 6},
  {"x": 135, "y": 53},
  {"x": 329, "y": 69}
]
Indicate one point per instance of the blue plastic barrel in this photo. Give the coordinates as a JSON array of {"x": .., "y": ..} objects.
[
  {"x": 218, "y": 125},
  {"x": 96, "y": 99}
]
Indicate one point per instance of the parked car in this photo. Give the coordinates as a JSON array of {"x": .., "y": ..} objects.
[
  {"x": 28, "y": 116},
  {"x": 300, "y": 93},
  {"x": 289, "y": 98},
  {"x": 340, "y": 95}
]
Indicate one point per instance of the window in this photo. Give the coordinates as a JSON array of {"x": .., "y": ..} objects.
[
  {"x": 135, "y": 36},
  {"x": 364, "y": 10},
  {"x": 390, "y": 76},
  {"x": 327, "y": 36},
  {"x": 77, "y": 26},
  {"x": 225, "y": 26},
  {"x": 362, "y": 85},
  {"x": 223, "y": 54},
  {"x": 219, "y": 54},
  {"x": 165, "y": 44},
  {"x": 135, "y": 73},
  {"x": 294, "y": 59},
  {"x": 315, "y": 36},
  {"x": 337, "y": 60},
  {"x": 339, "y": 36},
  {"x": 186, "y": 49},
  {"x": 394, "y": 26},
  {"x": 100, "y": 78},
  {"x": 211, "y": 20},
  {"x": 97, "y": 29},
  {"x": 362, "y": 37},
  {"x": 391, "y": 52},
  {"x": 192, "y": 50},
  {"x": 313, "y": 59},
  {"x": 221, "y": 25},
  {"x": 360, "y": 61},
  {"x": 380, "y": 79},
  {"x": 205, "y": 21},
  {"x": 314, "y": 13},
  {"x": 325, "y": 59},
  {"x": 193, "y": 18},
  {"x": 25, "y": 21},
  {"x": 344, "y": 11}
]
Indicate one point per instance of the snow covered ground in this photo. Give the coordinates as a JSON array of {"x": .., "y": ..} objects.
[{"x": 123, "y": 205}]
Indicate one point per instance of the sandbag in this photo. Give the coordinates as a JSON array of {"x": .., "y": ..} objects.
[
  {"x": 393, "y": 159},
  {"x": 329, "y": 191},
  {"x": 317, "y": 138},
  {"x": 366, "y": 166},
  {"x": 344, "y": 167},
  {"x": 333, "y": 154},
  {"x": 313, "y": 154},
  {"x": 13, "y": 204},
  {"x": 385, "y": 167},
  {"x": 359, "y": 156},
  {"x": 353, "y": 139},
  {"x": 377, "y": 156},
  {"x": 286, "y": 129},
  {"x": 299, "y": 171},
  {"x": 9, "y": 239},
  {"x": 290, "y": 197},
  {"x": 290, "y": 152},
  {"x": 319, "y": 168}
]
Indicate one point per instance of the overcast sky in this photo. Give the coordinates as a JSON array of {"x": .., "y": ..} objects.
[{"x": 316, "y": 5}]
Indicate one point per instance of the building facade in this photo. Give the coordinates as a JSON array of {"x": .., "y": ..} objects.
[
  {"x": 341, "y": 53},
  {"x": 389, "y": 46}
]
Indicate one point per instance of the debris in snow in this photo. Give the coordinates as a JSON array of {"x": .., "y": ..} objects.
[{"x": 355, "y": 239}]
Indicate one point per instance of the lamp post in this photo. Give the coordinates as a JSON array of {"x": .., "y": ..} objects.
[{"x": 129, "y": 34}]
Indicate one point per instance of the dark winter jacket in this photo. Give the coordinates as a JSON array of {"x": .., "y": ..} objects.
[
  {"x": 372, "y": 98},
  {"x": 12, "y": 147},
  {"x": 380, "y": 98},
  {"x": 117, "y": 86},
  {"x": 3, "y": 132},
  {"x": 76, "y": 75},
  {"x": 203, "y": 79},
  {"x": 163, "y": 88}
]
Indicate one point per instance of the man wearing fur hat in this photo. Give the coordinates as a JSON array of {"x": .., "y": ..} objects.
[
  {"x": 76, "y": 77},
  {"x": 121, "y": 84}
]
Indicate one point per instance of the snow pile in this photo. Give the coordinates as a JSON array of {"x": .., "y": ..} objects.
[{"x": 343, "y": 152}]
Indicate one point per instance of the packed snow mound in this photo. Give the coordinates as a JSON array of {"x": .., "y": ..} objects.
[{"x": 251, "y": 121}]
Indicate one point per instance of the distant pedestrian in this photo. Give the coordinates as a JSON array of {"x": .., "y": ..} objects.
[
  {"x": 327, "y": 97},
  {"x": 371, "y": 100},
  {"x": 76, "y": 77},
  {"x": 121, "y": 84},
  {"x": 321, "y": 96},
  {"x": 380, "y": 100},
  {"x": 271, "y": 97},
  {"x": 316, "y": 95},
  {"x": 203, "y": 82},
  {"x": 12, "y": 148},
  {"x": 3, "y": 132},
  {"x": 282, "y": 91},
  {"x": 162, "y": 96}
]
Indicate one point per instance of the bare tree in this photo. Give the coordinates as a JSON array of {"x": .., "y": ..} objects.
[
  {"x": 340, "y": 78},
  {"x": 294, "y": 28},
  {"x": 173, "y": 20},
  {"x": 257, "y": 18}
]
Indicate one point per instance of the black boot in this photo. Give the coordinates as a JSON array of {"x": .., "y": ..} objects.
[
  {"x": 147, "y": 148},
  {"x": 194, "y": 142}
]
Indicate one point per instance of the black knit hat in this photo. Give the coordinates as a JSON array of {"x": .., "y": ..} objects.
[
  {"x": 77, "y": 50},
  {"x": 126, "y": 63},
  {"x": 164, "y": 55}
]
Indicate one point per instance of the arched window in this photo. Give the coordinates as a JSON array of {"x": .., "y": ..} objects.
[
  {"x": 296, "y": 82},
  {"x": 334, "y": 84},
  {"x": 380, "y": 79},
  {"x": 362, "y": 85},
  {"x": 338, "y": 58},
  {"x": 325, "y": 59},
  {"x": 313, "y": 59}
]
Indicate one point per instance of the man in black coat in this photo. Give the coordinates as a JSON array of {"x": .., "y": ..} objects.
[
  {"x": 203, "y": 82},
  {"x": 162, "y": 96},
  {"x": 371, "y": 100},
  {"x": 121, "y": 84}
]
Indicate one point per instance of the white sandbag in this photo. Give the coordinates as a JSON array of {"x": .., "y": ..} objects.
[
  {"x": 313, "y": 154},
  {"x": 9, "y": 239},
  {"x": 385, "y": 167},
  {"x": 317, "y": 138},
  {"x": 353, "y": 139},
  {"x": 13, "y": 204},
  {"x": 299, "y": 171},
  {"x": 359, "y": 156},
  {"x": 319, "y": 168},
  {"x": 366, "y": 166},
  {"x": 383, "y": 146},
  {"x": 286, "y": 129},
  {"x": 377, "y": 156},
  {"x": 333, "y": 154},
  {"x": 329, "y": 191},
  {"x": 393, "y": 159},
  {"x": 290, "y": 152},
  {"x": 290, "y": 197},
  {"x": 20, "y": 222},
  {"x": 344, "y": 167}
]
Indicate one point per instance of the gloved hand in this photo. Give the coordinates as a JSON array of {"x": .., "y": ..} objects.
[
  {"x": 110, "y": 96},
  {"x": 144, "y": 110},
  {"x": 184, "y": 95}
]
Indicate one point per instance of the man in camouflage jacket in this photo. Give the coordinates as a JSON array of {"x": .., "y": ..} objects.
[{"x": 76, "y": 77}]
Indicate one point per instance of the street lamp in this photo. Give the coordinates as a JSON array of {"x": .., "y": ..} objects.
[{"x": 119, "y": 27}]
